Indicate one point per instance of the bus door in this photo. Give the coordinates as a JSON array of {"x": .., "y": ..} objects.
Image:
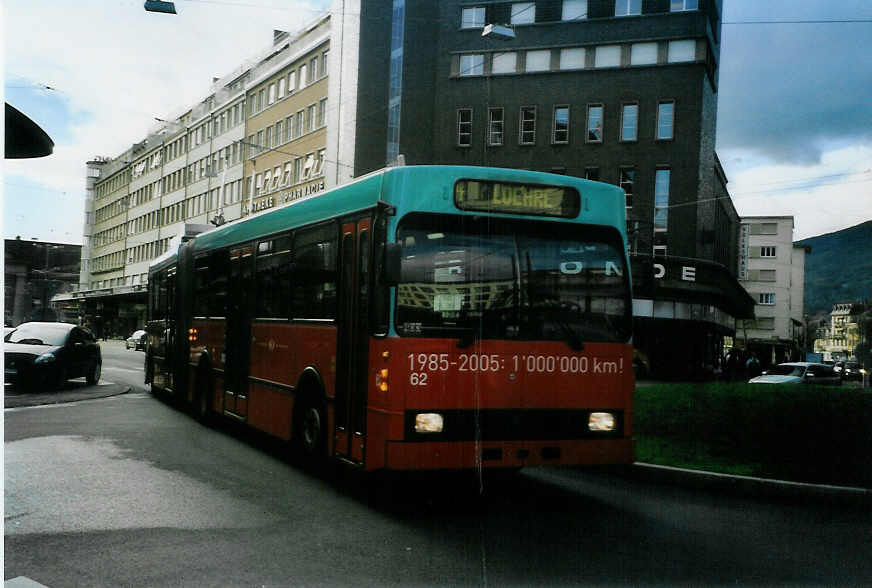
[
  {"x": 353, "y": 346},
  {"x": 237, "y": 341}
]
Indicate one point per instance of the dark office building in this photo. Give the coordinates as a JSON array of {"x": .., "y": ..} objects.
[
  {"x": 621, "y": 91},
  {"x": 34, "y": 273}
]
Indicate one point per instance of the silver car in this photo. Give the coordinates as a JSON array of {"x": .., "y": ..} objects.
[
  {"x": 136, "y": 341},
  {"x": 800, "y": 372}
]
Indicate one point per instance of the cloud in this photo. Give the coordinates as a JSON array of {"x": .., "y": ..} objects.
[
  {"x": 829, "y": 196},
  {"x": 115, "y": 67},
  {"x": 788, "y": 92}
]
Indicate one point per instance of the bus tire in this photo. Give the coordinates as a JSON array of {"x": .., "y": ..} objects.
[
  {"x": 203, "y": 399},
  {"x": 310, "y": 430}
]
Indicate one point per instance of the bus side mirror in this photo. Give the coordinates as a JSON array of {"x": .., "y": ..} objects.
[{"x": 393, "y": 262}]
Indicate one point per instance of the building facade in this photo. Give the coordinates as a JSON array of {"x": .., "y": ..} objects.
[
  {"x": 256, "y": 141},
  {"x": 772, "y": 270},
  {"x": 34, "y": 272},
  {"x": 618, "y": 91},
  {"x": 838, "y": 342}
]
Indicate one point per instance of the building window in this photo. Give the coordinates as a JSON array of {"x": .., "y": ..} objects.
[
  {"x": 464, "y": 127},
  {"x": 527, "y": 126},
  {"x": 495, "y": 126},
  {"x": 764, "y": 275},
  {"x": 272, "y": 93},
  {"x": 574, "y": 10},
  {"x": 292, "y": 82},
  {"x": 764, "y": 229},
  {"x": 261, "y": 100},
  {"x": 643, "y": 54},
  {"x": 627, "y": 178},
  {"x": 607, "y": 56},
  {"x": 665, "y": 120},
  {"x": 472, "y": 18},
  {"x": 523, "y": 13},
  {"x": 661, "y": 199},
  {"x": 767, "y": 298},
  {"x": 767, "y": 251},
  {"x": 324, "y": 63},
  {"x": 300, "y": 120},
  {"x": 310, "y": 118},
  {"x": 628, "y": 7},
  {"x": 560, "y": 126},
  {"x": 267, "y": 138},
  {"x": 504, "y": 63},
  {"x": 680, "y": 51},
  {"x": 322, "y": 113},
  {"x": 592, "y": 173},
  {"x": 629, "y": 122},
  {"x": 538, "y": 60},
  {"x": 682, "y": 5},
  {"x": 595, "y": 123},
  {"x": 472, "y": 65},
  {"x": 313, "y": 70},
  {"x": 572, "y": 58},
  {"x": 281, "y": 89}
]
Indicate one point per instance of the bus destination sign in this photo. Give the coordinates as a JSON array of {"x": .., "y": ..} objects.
[{"x": 533, "y": 199}]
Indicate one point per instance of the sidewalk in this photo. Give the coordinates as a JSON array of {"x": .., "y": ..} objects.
[{"x": 73, "y": 391}]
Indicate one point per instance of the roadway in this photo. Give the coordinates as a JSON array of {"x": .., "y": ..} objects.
[{"x": 126, "y": 490}]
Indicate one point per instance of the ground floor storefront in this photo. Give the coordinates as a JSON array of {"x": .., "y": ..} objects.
[
  {"x": 109, "y": 313},
  {"x": 683, "y": 311}
]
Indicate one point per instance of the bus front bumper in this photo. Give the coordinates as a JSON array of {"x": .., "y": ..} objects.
[{"x": 405, "y": 455}]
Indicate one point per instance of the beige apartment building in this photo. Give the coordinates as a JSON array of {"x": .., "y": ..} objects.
[
  {"x": 772, "y": 270},
  {"x": 837, "y": 343},
  {"x": 286, "y": 125},
  {"x": 256, "y": 141}
]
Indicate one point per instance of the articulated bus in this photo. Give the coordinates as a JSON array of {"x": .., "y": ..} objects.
[{"x": 418, "y": 318}]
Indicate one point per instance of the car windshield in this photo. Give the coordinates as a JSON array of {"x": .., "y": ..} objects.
[
  {"x": 489, "y": 278},
  {"x": 42, "y": 334},
  {"x": 137, "y": 334},
  {"x": 786, "y": 370}
]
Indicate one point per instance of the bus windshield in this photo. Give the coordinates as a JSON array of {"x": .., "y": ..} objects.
[{"x": 481, "y": 277}]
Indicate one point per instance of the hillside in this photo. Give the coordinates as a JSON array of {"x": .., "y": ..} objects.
[{"x": 839, "y": 268}]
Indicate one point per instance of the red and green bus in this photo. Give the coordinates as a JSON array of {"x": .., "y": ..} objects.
[{"x": 418, "y": 318}]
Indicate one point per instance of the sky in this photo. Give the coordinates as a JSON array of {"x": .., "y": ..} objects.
[{"x": 794, "y": 98}]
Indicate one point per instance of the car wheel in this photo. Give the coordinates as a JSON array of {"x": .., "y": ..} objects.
[{"x": 94, "y": 371}]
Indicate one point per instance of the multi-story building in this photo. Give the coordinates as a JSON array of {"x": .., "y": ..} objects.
[
  {"x": 255, "y": 141},
  {"x": 839, "y": 341},
  {"x": 621, "y": 91},
  {"x": 772, "y": 270},
  {"x": 287, "y": 119}
]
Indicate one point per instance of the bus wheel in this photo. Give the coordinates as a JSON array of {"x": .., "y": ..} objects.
[{"x": 310, "y": 431}]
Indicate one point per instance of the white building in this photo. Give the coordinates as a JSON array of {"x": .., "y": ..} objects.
[{"x": 772, "y": 270}]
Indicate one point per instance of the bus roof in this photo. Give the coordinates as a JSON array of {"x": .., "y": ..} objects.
[{"x": 412, "y": 188}]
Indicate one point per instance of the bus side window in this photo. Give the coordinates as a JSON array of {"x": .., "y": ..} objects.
[
  {"x": 219, "y": 267},
  {"x": 313, "y": 291},
  {"x": 201, "y": 286},
  {"x": 272, "y": 276}
]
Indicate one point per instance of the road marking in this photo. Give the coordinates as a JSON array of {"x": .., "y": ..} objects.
[
  {"x": 22, "y": 582},
  {"x": 121, "y": 369}
]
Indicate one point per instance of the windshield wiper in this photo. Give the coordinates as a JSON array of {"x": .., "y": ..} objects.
[{"x": 31, "y": 341}]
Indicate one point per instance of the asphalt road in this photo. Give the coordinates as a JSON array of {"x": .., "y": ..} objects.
[{"x": 129, "y": 491}]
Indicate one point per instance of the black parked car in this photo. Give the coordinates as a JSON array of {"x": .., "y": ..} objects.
[{"x": 46, "y": 355}]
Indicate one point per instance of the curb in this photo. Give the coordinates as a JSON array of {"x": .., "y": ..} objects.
[
  {"x": 64, "y": 396},
  {"x": 748, "y": 485}
]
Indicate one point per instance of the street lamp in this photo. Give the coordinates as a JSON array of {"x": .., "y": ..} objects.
[{"x": 160, "y": 6}]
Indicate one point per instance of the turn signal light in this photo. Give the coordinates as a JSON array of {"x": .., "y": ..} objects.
[{"x": 381, "y": 379}]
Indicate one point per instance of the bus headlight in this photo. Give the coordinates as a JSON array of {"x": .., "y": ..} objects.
[
  {"x": 428, "y": 422},
  {"x": 601, "y": 421}
]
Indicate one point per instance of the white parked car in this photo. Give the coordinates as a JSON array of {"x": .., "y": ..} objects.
[
  {"x": 136, "y": 340},
  {"x": 800, "y": 372}
]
